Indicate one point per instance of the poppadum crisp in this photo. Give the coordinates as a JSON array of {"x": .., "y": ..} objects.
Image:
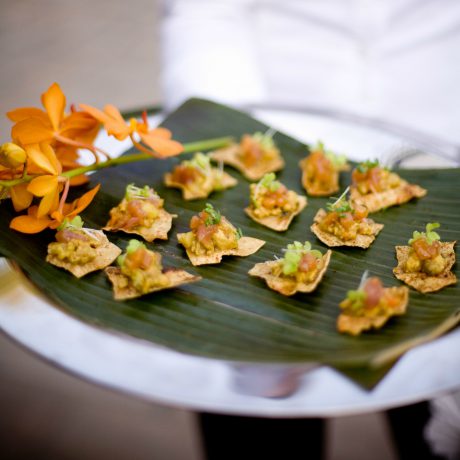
[
  {"x": 285, "y": 285},
  {"x": 279, "y": 223},
  {"x": 246, "y": 246},
  {"x": 393, "y": 197},
  {"x": 217, "y": 180},
  {"x": 354, "y": 325},
  {"x": 158, "y": 230},
  {"x": 423, "y": 282},
  {"x": 106, "y": 253},
  {"x": 361, "y": 241},
  {"x": 123, "y": 289},
  {"x": 229, "y": 156}
]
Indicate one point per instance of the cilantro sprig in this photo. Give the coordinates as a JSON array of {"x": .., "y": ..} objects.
[
  {"x": 293, "y": 255},
  {"x": 341, "y": 205},
  {"x": 214, "y": 216},
  {"x": 428, "y": 234},
  {"x": 365, "y": 166}
]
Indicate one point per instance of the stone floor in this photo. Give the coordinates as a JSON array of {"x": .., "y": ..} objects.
[{"x": 102, "y": 51}]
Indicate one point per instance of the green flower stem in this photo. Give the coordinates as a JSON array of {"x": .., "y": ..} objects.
[{"x": 190, "y": 147}]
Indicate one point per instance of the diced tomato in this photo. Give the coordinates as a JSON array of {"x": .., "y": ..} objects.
[
  {"x": 424, "y": 250},
  {"x": 66, "y": 235},
  {"x": 347, "y": 220},
  {"x": 374, "y": 291},
  {"x": 139, "y": 259},
  {"x": 185, "y": 174},
  {"x": 321, "y": 166},
  {"x": 307, "y": 263},
  {"x": 360, "y": 212},
  {"x": 204, "y": 233},
  {"x": 251, "y": 151}
]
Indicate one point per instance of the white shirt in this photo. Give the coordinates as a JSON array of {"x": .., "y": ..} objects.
[{"x": 393, "y": 59}]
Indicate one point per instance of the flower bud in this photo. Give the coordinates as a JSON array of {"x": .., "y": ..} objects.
[{"x": 12, "y": 156}]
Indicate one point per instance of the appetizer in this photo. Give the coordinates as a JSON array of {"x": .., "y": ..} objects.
[
  {"x": 141, "y": 212},
  {"x": 254, "y": 156},
  {"x": 426, "y": 263},
  {"x": 378, "y": 188},
  {"x": 140, "y": 272},
  {"x": 273, "y": 205},
  {"x": 81, "y": 250},
  {"x": 345, "y": 225},
  {"x": 213, "y": 236},
  {"x": 320, "y": 171},
  {"x": 371, "y": 306},
  {"x": 197, "y": 178},
  {"x": 300, "y": 270}
]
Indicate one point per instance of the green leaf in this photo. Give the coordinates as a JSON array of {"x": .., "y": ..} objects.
[
  {"x": 214, "y": 215},
  {"x": 228, "y": 314}
]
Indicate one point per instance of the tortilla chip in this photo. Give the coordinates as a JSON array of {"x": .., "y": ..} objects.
[
  {"x": 393, "y": 197},
  {"x": 361, "y": 241},
  {"x": 285, "y": 285},
  {"x": 229, "y": 156},
  {"x": 354, "y": 325},
  {"x": 218, "y": 180},
  {"x": 159, "y": 229},
  {"x": 423, "y": 282},
  {"x": 246, "y": 247},
  {"x": 278, "y": 223},
  {"x": 335, "y": 187},
  {"x": 122, "y": 292},
  {"x": 106, "y": 254}
]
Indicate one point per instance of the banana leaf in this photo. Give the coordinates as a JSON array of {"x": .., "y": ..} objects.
[{"x": 230, "y": 315}]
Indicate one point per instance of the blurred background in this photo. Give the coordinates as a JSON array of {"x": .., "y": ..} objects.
[{"x": 103, "y": 51}]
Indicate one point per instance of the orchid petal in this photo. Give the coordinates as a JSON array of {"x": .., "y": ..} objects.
[
  {"x": 23, "y": 113},
  {"x": 161, "y": 132},
  {"x": 53, "y": 100},
  {"x": 21, "y": 197},
  {"x": 41, "y": 160},
  {"x": 164, "y": 147},
  {"x": 43, "y": 185},
  {"x": 29, "y": 224},
  {"x": 48, "y": 203},
  {"x": 31, "y": 131}
]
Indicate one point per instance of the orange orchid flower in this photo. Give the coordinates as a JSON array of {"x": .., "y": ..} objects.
[
  {"x": 52, "y": 125},
  {"x": 32, "y": 223},
  {"x": 158, "y": 139}
]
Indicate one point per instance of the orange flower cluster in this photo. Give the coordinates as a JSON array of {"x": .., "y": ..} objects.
[{"x": 46, "y": 146}]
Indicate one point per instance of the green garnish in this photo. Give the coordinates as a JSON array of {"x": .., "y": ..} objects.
[
  {"x": 76, "y": 223},
  {"x": 133, "y": 246},
  {"x": 429, "y": 235},
  {"x": 200, "y": 161},
  {"x": 366, "y": 165},
  {"x": 356, "y": 298},
  {"x": 336, "y": 159},
  {"x": 293, "y": 255},
  {"x": 239, "y": 233},
  {"x": 269, "y": 181},
  {"x": 214, "y": 215},
  {"x": 341, "y": 205},
  {"x": 133, "y": 192},
  {"x": 265, "y": 139}
]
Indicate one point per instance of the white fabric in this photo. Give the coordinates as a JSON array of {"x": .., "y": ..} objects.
[{"x": 393, "y": 59}]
